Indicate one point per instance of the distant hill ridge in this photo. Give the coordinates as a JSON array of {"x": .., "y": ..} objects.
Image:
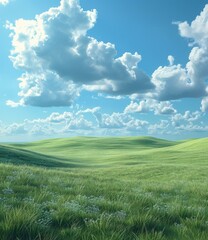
[{"x": 97, "y": 151}]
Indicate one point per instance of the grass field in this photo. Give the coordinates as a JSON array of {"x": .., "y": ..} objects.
[{"x": 126, "y": 188}]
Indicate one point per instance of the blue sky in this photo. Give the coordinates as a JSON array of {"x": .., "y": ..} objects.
[{"x": 103, "y": 68}]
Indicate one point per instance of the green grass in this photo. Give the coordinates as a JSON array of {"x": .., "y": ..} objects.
[
  {"x": 97, "y": 151},
  {"x": 82, "y": 188}
]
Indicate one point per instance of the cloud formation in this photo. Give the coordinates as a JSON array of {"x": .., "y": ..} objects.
[
  {"x": 175, "y": 81},
  {"x": 148, "y": 105},
  {"x": 92, "y": 121},
  {"x": 59, "y": 59},
  {"x": 89, "y": 121},
  {"x": 162, "y": 127},
  {"x": 119, "y": 121},
  {"x": 185, "y": 119}
]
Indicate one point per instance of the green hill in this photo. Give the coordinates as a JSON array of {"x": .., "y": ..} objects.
[
  {"x": 194, "y": 145},
  {"x": 93, "y": 151},
  {"x": 121, "y": 188},
  {"x": 18, "y": 156},
  {"x": 96, "y": 151}
]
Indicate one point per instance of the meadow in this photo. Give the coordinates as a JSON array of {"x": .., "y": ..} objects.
[{"x": 119, "y": 188}]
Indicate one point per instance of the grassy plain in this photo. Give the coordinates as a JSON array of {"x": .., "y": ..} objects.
[{"x": 126, "y": 188}]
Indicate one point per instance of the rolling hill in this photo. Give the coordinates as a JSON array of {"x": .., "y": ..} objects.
[
  {"x": 92, "y": 151},
  {"x": 123, "y": 188}
]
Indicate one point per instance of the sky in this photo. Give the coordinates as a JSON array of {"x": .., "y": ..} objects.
[{"x": 103, "y": 68}]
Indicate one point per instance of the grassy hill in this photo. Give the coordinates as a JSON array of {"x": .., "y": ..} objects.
[
  {"x": 92, "y": 151},
  {"x": 87, "y": 149},
  {"x": 18, "y": 156},
  {"x": 104, "y": 188}
]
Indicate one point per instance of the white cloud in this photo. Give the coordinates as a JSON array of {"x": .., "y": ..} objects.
[
  {"x": 147, "y": 105},
  {"x": 204, "y": 104},
  {"x": 15, "y": 129},
  {"x": 160, "y": 128},
  {"x": 114, "y": 120},
  {"x": 4, "y": 2},
  {"x": 198, "y": 29},
  {"x": 186, "y": 118},
  {"x": 179, "y": 124},
  {"x": 171, "y": 60},
  {"x": 79, "y": 123},
  {"x": 174, "y": 81},
  {"x": 164, "y": 108},
  {"x": 119, "y": 121},
  {"x": 41, "y": 130},
  {"x": 136, "y": 124},
  {"x": 114, "y": 97},
  {"x": 55, "y": 123},
  {"x": 135, "y": 107},
  {"x": 89, "y": 110},
  {"x": 84, "y": 122},
  {"x": 56, "y": 117},
  {"x": 92, "y": 122},
  {"x": 59, "y": 59},
  {"x": 14, "y": 104},
  {"x": 192, "y": 128}
]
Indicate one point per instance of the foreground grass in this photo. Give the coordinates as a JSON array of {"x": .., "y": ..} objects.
[{"x": 157, "y": 192}]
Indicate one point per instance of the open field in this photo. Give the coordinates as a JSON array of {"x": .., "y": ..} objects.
[{"x": 128, "y": 188}]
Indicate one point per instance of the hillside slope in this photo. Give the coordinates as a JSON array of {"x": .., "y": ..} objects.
[
  {"x": 93, "y": 151},
  {"x": 18, "y": 156}
]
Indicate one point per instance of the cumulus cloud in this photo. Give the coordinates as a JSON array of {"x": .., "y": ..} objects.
[
  {"x": 161, "y": 128},
  {"x": 179, "y": 123},
  {"x": 90, "y": 122},
  {"x": 119, "y": 121},
  {"x": 59, "y": 59},
  {"x": 175, "y": 81},
  {"x": 147, "y": 105},
  {"x": 192, "y": 128},
  {"x": 83, "y": 122},
  {"x": 55, "y": 123},
  {"x": 15, "y": 129},
  {"x": 186, "y": 118}
]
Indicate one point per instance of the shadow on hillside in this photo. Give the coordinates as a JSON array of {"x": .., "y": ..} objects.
[{"x": 25, "y": 157}]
